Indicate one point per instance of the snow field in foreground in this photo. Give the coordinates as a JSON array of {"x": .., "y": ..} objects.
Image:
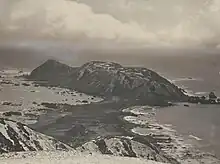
[{"x": 70, "y": 158}]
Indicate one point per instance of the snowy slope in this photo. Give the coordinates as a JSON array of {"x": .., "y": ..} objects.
[
  {"x": 69, "y": 158},
  {"x": 125, "y": 147},
  {"x": 15, "y": 137},
  {"x": 114, "y": 79}
]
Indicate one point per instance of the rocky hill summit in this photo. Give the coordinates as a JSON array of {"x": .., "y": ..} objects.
[
  {"x": 109, "y": 79},
  {"x": 16, "y": 137}
]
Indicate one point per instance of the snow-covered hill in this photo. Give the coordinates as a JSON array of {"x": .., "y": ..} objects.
[
  {"x": 15, "y": 137},
  {"x": 110, "y": 79}
]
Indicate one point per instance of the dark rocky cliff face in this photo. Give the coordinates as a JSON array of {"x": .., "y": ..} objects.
[
  {"x": 15, "y": 137},
  {"x": 110, "y": 79}
]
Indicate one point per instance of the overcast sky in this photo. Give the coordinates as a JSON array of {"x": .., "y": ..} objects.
[{"x": 150, "y": 22}]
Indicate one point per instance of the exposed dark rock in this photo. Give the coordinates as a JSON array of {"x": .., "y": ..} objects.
[
  {"x": 203, "y": 100},
  {"x": 125, "y": 146},
  {"x": 170, "y": 104},
  {"x": 212, "y": 95},
  {"x": 128, "y": 147},
  {"x": 84, "y": 101},
  {"x": 25, "y": 84},
  {"x": 12, "y": 113},
  {"x": 34, "y": 102},
  {"x": 103, "y": 147},
  {"x": 31, "y": 115},
  {"x": 6, "y": 82},
  {"x": 8, "y": 103},
  {"x": 16, "y": 84},
  {"x": 50, "y": 105},
  {"x": 36, "y": 85}
]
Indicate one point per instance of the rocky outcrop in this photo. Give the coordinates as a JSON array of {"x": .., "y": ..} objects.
[
  {"x": 15, "y": 137},
  {"x": 8, "y": 103},
  {"x": 12, "y": 113},
  {"x": 212, "y": 95},
  {"x": 110, "y": 79},
  {"x": 126, "y": 147},
  {"x": 210, "y": 99}
]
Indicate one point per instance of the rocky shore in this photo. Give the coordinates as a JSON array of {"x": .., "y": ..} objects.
[
  {"x": 210, "y": 99},
  {"x": 164, "y": 137}
]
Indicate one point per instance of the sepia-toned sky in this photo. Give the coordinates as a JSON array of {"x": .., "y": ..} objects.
[{"x": 148, "y": 22}]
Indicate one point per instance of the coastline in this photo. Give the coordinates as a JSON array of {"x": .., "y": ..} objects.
[{"x": 168, "y": 139}]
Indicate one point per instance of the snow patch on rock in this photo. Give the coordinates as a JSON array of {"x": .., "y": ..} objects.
[{"x": 15, "y": 137}]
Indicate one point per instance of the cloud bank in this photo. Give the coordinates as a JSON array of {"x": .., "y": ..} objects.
[{"x": 174, "y": 22}]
